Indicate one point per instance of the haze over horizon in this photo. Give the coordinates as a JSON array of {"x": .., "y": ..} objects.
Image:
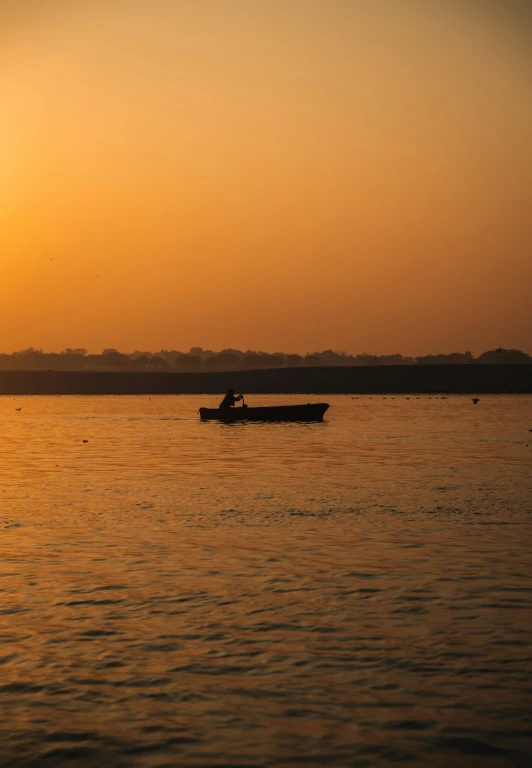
[
  {"x": 205, "y": 352},
  {"x": 299, "y": 176}
]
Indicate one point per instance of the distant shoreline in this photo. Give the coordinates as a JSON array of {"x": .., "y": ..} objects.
[{"x": 358, "y": 380}]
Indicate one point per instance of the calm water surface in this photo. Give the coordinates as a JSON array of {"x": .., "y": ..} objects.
[{"x": 351, "y": 593}]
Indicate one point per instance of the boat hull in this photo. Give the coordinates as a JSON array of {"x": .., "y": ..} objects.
[{"x": 308, "y": 412}]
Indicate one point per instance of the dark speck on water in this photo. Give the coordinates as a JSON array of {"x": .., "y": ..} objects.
[{"x": 356, "y": 592}]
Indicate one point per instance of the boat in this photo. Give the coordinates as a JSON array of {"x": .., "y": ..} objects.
[{"x": 308, "y": 412}]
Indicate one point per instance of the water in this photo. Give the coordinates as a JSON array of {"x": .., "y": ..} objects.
[{"x": 351, "y": 593}]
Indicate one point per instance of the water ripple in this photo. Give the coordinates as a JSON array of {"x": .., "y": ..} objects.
[{"x": 356, "y": 593}]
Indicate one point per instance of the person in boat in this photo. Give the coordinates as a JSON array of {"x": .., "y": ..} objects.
[{"x": 230, "y": 400}]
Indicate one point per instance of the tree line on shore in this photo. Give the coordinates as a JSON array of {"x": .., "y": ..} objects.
[{"x": 198, "y": 359}]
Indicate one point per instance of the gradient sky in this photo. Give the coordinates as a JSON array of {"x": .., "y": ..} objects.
[{"x": 285, "y": 175}]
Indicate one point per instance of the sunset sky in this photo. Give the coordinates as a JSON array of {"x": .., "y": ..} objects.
[{"x": 289, "y": 175}]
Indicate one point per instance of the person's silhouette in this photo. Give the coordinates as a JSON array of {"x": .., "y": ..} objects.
[{"x": 230, "y": 399}]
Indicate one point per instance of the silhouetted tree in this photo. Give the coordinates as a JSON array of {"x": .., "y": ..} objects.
[
  {"x": 114, "y": 359},
  {"x": 225, "y": 361},
  {"x": 159, "y": 362},
  {"x": 455, "y": 358},
  {"x": 72, "y": 352},
  {"x": 292, "y": 360},
  {"x": 506, "y": 356},
  {"x": 189, "y": 363},
  {"x": 331, "y": 358},
  {"x": 138, "y": 363},
  {"x": 392, "y": 360},
  {"x": 233, "y": 359},
  {"x": 365, "y": 359}
]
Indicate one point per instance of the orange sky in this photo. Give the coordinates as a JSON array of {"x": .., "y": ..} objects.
[{"x": 287, "y": 175}]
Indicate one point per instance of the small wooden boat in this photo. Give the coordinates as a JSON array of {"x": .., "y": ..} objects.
[{"x": 308, "y": 412}]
